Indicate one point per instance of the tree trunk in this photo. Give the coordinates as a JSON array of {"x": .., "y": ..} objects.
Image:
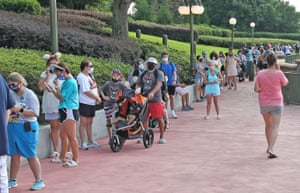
[{"x": 120, "y": 19}]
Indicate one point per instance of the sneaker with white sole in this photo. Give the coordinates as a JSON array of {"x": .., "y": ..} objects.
[
  {"x": 84, "y": 146},
  {"x": 93, "y": 144},
  {"x": 173, "y": 115},
  {"x": 38, "y": 184},
  {"x": 12, "y": 183},
  {"x": 218, "y": 117},
  {"x": 206, "y": 117},
  {"x": 162, "y": 140}
]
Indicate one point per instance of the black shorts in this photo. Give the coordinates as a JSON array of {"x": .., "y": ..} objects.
[
  {"x": 68, "y": 114},
  {"x": 87, "y": 110},
  {"x": 171, "y": 90}
]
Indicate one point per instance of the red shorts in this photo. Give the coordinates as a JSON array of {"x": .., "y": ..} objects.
[{"x": 155, "y": 110}]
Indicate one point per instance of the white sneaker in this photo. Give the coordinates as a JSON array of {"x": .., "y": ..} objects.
[
  {"x": 93, "y": 144},
  {"x": 173, "y": 115},
  {"x": 218, "y": 117},
  {"x": 84, "y": 146},
  {"x": 206, "y": 117}
]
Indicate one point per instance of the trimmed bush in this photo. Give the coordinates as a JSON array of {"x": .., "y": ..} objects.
[
  {"x": 21, "y": 6},
  {"x": 23, "y": 31}
]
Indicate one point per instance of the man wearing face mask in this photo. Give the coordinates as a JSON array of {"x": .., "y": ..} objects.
[
  {"x": 88, "y": 99},
  {"x": 151, "y": 82},
  {"x": 170, "y": 71},
  {"x": 136, "y": 72}
]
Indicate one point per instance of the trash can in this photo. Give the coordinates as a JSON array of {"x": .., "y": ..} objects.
[
  {"x": 250, "y": 70},
  {"x": 291, "y": 92}
]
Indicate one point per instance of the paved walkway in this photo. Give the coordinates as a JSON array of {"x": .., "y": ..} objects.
[{"x": 201, "y": 156}]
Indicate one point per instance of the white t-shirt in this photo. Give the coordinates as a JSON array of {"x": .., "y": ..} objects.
[
  {"x": 86, "y": 83},
  {"x": 49, "y": 101}
]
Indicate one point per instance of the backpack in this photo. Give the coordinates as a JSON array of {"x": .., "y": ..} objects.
[{"x": 164, "y": 88}]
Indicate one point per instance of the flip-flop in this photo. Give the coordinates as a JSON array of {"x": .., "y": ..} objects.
[{"x": 70, "y": 164}]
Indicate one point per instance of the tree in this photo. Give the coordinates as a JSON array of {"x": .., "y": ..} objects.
[
  {"x": 120, "y": 18},
  {"x": 164, "y": 15}
]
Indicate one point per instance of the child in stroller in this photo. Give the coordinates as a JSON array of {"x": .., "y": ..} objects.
[{"x": 128, "y": 123}]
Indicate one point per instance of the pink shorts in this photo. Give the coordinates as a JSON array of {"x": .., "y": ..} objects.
[{"x": 155, "y": 110}]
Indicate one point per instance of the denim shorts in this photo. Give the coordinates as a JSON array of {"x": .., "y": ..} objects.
[{"x": 276, "y": 110}]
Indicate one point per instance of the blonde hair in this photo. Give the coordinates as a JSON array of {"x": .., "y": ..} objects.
[{"x": 16, "y": 77}]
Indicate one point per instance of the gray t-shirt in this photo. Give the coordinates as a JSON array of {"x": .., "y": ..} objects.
[
  {"x": 114, "y": 91},
  {"x": 148, "y": 83},
  {"x": 30, "y": 101}
]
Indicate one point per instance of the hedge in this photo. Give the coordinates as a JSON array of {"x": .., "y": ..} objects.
[
  {"x": 23, "y": 31},
  {"x": 21, "y": 6}
]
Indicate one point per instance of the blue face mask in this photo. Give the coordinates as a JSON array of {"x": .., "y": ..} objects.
[
  {"x": 141, "y": 67},
  {"x": 60, "y": 77}
]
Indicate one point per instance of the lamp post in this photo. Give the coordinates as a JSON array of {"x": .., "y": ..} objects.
[
  {"x": 232, "y": 21},
  {"x": 252, "y": 25},
  {"x": 53, "y": 26},
  {"x": 188, "y": 8}
]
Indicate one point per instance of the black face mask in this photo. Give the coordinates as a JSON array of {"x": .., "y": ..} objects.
[
  {"x": 150, "y": 66},
  {"x": 114, "y": 80}
]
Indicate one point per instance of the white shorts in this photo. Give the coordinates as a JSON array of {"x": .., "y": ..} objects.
[
  {"x": 3, "y": 174},
  {"x": 181, "y": 91}
]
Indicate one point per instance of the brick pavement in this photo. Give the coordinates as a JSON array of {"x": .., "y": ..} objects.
[{"x": 201, "y": 156}]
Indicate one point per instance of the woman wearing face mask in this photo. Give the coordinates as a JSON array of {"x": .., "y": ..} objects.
[
  {"x": 50, "y": 102},
  {"x": 68, "y": 106},
  {"x": 88, "y": 99},
  {"x": 231, "y": 70},
  {"x": 212, "y": 88},
  {"x": 23, "y": 131}
]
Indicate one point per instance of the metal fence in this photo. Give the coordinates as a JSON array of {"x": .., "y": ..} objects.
[
  {"x": 292, "y": 58},
  {"x": 291, "y": 92}
]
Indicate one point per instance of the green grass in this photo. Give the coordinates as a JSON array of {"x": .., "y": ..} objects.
[{"x": 177, "y": 45}]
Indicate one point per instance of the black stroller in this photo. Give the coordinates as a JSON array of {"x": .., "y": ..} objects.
[{"x": 129, "y": 122}]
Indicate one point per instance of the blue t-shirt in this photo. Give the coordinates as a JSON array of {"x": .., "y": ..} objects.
[
  {"x": 69, "y": 93},
  {"x": 168, "y": 69},
  {"x": 7, "y": 101}
]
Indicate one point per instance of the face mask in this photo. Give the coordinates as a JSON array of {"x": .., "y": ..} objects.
[
  {"x": 14, "y": 87},
  {"x": 60, "y": 77},
  {"x": 91, "y": 70},
  {"x": 114, "y": 80},
  {"x": 141, "y": 67},
  {"x": 151, "y": 66},
  {"x": 51, "y": 68},
  {"x": 165, "y": 60}
]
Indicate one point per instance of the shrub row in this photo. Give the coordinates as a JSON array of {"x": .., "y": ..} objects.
[
  {"x": 241, "y": 42},
  {"x": 22, "y": 31},
  {"x": 21, "y": 6}
]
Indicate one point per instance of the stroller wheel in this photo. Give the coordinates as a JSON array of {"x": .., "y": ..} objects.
[
  {"x": 116, "y": 143},
  {"x": 148, "y": 138}
]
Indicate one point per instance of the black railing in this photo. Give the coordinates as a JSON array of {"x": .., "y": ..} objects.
[{"x": 292, "y": 58}]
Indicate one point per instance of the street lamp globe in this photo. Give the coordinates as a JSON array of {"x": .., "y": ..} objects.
[
  {"x": 252, "y": 24},
  {"x": 183, "y": 10},
  {"x": 197, "y": 9},
  {"x": 232, "y": 21}
]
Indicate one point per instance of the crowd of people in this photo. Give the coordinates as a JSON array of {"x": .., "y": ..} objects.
[{"x": 67, "y": 99}]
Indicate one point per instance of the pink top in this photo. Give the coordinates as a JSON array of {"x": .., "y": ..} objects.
[{"x": 270, "y": 83}]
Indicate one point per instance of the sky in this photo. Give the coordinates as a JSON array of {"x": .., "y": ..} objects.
[{"x": 295, "y": 3}]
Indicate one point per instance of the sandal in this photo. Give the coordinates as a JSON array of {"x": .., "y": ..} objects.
[{"x": 70, "y": 164}]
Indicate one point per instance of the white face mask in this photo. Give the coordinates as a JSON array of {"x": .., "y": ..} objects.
[
  {"x": 91, "y": 70},
  {"x": 165, "y": 60}
]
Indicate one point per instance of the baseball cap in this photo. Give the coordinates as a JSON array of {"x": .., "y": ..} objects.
[
  {"x": 116, "y": 71},
  {"x": 152, "y": 60}
]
